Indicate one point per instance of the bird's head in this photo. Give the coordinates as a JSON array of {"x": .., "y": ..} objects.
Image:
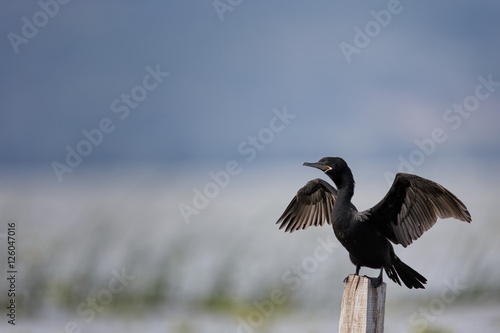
[
  {"x": 329, "y": 164},
  {"x": 336, "y": 168}
]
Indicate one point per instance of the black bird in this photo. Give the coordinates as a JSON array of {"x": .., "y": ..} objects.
[{"x": 410, "y": 208}]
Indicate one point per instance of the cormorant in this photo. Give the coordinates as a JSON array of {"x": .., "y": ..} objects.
[{"x": 410, "y": 208}]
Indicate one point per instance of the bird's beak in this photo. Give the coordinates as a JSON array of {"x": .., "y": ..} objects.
[{"x": 318, "y": 166}]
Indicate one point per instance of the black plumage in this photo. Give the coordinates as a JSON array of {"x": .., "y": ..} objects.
[{"x": 410, "y": 208}]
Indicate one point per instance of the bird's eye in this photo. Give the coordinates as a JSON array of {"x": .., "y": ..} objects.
[{"x": 324, "y": 163}]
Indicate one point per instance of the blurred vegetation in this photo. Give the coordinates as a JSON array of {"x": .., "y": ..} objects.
[
  {"x": 435, "y": 330},
  {"x": 211, "y": 266},
  {"x": 158, "y": 289}
]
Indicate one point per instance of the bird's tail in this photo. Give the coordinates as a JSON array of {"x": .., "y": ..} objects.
[{"x": 410, "y": 277}]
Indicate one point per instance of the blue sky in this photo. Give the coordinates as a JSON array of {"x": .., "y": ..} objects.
[{"x": 225, "y": 78}]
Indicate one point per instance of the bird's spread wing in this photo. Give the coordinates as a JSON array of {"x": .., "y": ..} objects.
[
  {"x": 412, "y": 207},
  {"x": 312, "y": 205}
]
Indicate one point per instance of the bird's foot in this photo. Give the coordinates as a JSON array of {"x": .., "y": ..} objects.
[
  {"x": 347, "y": 277},
  {"x": 376, "y": 282}
]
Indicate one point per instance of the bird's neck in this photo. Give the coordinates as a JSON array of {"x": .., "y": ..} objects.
[
  {"x": 345, "y": 187},
  {"x": 344, "y": 195},
  {"x": 342, "y": 211}
]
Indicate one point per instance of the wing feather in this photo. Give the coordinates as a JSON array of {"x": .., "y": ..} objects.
[
  {"x": 312, "y": 205},
  {"x": 412, "y": 206}
]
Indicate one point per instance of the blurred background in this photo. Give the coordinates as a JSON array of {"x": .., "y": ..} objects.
[{"x": 147, "y": 150}]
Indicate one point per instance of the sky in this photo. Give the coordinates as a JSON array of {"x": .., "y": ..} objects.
[{"x": 169, "y": 82}]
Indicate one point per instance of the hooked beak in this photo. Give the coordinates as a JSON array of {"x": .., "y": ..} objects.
[{"x": 320, "y": 166}]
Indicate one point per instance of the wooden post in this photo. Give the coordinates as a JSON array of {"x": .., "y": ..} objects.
[{"x": 363, "y": 306}]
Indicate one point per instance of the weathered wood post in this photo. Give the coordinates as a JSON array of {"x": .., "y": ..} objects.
[{"x": 363, "y": 306}]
